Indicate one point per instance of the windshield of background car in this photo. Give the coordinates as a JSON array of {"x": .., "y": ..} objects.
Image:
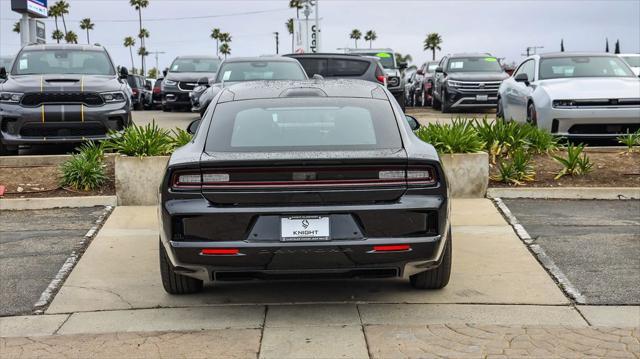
[
  {"x": 260, "y": 70},
  {"x": 386, "y": 58},
  {"x": 42, "y": 62},
  {"x": 632, "y": 60},
  {"x": 432, "y": 67},
  {"x": 303, "y": 124},
  {"x": 474, "y": 64},
  {"x": 583, "y": 66},
  {"x": 195, "y": 65}
]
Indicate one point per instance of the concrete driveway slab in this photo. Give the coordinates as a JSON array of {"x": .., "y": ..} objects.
[
  {"x": 164, "y": 319},
  {"x": 120, "y": 271},
  {"x": 302, "y": 342},
  {"x": 30, "y": 325},
  {"x": 225, "y": 343},
  {"x": 418, "y": 314},
  {"x": 610, "y": 315},
  {"x": 312, "y": 315}
]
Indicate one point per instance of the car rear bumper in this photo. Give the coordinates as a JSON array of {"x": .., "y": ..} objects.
[
  {"x": 60, "y": 123},
  {"x": 590, "y": 123},
  {"x": 265, "y": 256}
]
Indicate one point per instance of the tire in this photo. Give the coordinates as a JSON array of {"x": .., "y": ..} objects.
[
  {"x": 8, "y": 151},
  {"x": 499, "y": 110},
  {"x": 174, "y": 283},
  {"x": 165, "y": 108},
  {"x": 435, "y": 103},
  {"x": 532, "y": 115},
  {"x": 436, "y": 278},
  {"x": 446, "y": 107}
]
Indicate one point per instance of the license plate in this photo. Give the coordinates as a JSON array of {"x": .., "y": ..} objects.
[
  {"x": 482, "y": 97},
  {"x": 304, "y": 228}
]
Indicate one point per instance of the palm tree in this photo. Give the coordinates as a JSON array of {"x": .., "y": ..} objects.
[
  {"x": 225, "y": 49},
  {"x": 63, "y": 9},
  {"x": 433, "y": 42},
  {"x": 296, "y": 4},
  {"x": 16, "y": 27},
  {"x": 57, "y": 35},
  {"x": 289, "y": 25},
  {"x": 139, "y": 5},
  {"x": 54, "y": 11},
  {"x": 215, "y": 34},
  {"x": 71, "y": 37},
  {"x": 617, "y": 48},
  {"x": 355, "y": 35},
  {"x": 371, "y": 37},
  {"x": 130, "y": 42},
  {"x": 87, "y": 25},
  {"x": 144, "y": 34},
  {"x": 561, "y": 45},
  {"x": 403, "y": 59},
  {"x": 225, "y": 37}
]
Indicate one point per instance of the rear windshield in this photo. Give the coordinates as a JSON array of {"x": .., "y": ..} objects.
[
  {"x": 583, "y": 66},
  {"x": 334, "y": 67},
  {"x": 260, "y": 70},
  {"x": 43, "y": 62},
  {"x": 386, "y": 58},
  {"x": 474, "y": 64},
  {"x": 304, "y": 124},
  {"x": 195, "y": 65}
]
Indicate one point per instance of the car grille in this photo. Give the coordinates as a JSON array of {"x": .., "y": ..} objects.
[
  {"x": 187, "y": 86},
  {"x": 41, "y": 98},
  {"x": 66, "y": 129},
  {"x": 476, "y": 87}
]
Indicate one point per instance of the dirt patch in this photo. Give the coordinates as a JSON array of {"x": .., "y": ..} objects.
[
  {"x": 43, "y": 181},
  {"x": 611, "y": 168}
]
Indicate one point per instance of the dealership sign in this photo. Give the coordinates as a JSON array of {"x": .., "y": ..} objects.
[{"x": 35, "y": 8}]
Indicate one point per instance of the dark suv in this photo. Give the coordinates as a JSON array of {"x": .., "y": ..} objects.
[
  {"x": 342, "y": 66},
  {"x": 139, "y": 96},
  {"x": 467, "y": 81},
  {"x": 183, "y": 76},
  {"x": 61, "y": 94}
]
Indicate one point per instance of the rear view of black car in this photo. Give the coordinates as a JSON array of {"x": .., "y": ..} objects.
[
  {"x": 61, "y": 94},
  {"x": 304, "y": 179},
  {"x": 342, "y": 66},
  {"x": 183, "y": 76}
]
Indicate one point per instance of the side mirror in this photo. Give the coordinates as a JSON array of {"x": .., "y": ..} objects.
[
  {"x": 413, "y": 123},
  {"x": 522, "y": 78},
  {"x": 420, "y": 72},
  {"x": 124, "y": 73},
  {"x": 402, "y": 65},
  {"x": 164, "y": 73},
  {"x": 193, "y": 127},
  {"x": 439, "y": 70},
  {"x": 3, "y": 73},
  {"x": 203, "y": 81}
]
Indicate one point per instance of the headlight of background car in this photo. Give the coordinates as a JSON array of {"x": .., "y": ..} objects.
[
  {"x": 454, "y": 83},
  {"x": 563, "y": 103},
  {"x": 110, "y": 97},
  {"x": 10, "y": 97},
  {"x": 169, "y": 82}
]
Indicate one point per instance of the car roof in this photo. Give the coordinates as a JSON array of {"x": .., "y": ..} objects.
[
  {"x": 40, "y": 47},
  {"x": 198, "y": 57},
  {"x": 571, "y": 54},
  {"x": 629, "y": 55},
  {"x": 260, "y": 59},
  {"x": 471, "y": 54},
  {"x": 333, "y": 56},
  {"x": 325, "y": 88}
]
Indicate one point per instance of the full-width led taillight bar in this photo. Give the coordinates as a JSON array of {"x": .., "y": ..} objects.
[{"x": 305, "y": 177}]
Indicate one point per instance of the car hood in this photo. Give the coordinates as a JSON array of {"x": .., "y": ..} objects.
[
  {"x": 37, "y": 83},
  {"x": 189, "y": 76},
  {"x": 592, "y": 88},
  {"x": 477, "y": 76}
]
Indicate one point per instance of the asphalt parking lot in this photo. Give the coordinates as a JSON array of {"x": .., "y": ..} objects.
[
  {"x": 34, "y": 244},
  {"x": 596, "y": 244}
]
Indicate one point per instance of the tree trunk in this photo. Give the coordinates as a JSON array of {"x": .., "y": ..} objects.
[
  {"x": 292, "y": 43},
  {"x": 141, "y": 40},
  {"x": 88, "y": 42},
  {"x": 131, "y": 53},
  {"x": 217, "y": 48},
  {"x": 433, "y": 54},
  {"x": 56, "y": 19},
  {"x": 356, "y": 42},
  {"x": 65, "y": 26}
]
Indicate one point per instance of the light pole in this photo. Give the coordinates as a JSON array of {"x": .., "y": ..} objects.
[{"x": 277, "y": 42}]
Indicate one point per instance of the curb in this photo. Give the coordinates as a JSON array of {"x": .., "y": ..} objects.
[
  {"x": 612, "y": 193},
  {"x": 542, "y": 257},
  {"x": 37, "y": 160},
  {"x": 18, "y": 204}
]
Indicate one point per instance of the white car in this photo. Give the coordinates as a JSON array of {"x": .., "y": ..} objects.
[
  {"x": 590, "y": 95},
  {"x": 633, "y": 60}
]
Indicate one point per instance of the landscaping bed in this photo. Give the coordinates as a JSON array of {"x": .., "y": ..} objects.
[
  {"x": 611, "y": 168},
  {"x": 44, "y": 181}
]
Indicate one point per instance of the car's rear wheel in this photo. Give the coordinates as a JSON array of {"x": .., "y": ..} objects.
[
  {"x": 446, "y": 106},
  {"x": 435, "y": 103},
  {"x": 174, "y": 283},
  {"x": 532, "y": 114},
  {"x": 436, "y": 278}
]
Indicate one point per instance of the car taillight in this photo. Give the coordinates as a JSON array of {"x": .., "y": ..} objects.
[
  {"x": 417, "y": 175},
  {"x": 156, "y": 90},
  {"x": 381, "y": 76},
  {"x": 135, "y": 91},
  {"x": 186, "y": 180}
]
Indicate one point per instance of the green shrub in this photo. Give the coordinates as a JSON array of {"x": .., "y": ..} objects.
[
  {"x": 141, "y": 141},
  {"x": 576, "y": 163},
  {"x": 179, "y": 138},
  {"x": 630, "y": 140},
  {"x": 456, "y": 137},
  {"x": 85, "y": 170},
  {"x": 541, "y": 141},
  {"x": 503, "y": 137},
  {"x": 516, "y": 170}
]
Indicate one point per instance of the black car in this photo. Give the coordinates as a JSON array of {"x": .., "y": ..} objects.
[
  {"x": 242, "y": 69},
  {"x": 342, "y": 66},
  {"x": 61, "y": 94},
  {"x": 299, "y": 179},
  {"x": 156, "y": 97},
  {"x": 138, "y": 97},
  {"x": 467, "y": 81},
  {"x": 427, "y": 70},
  {"x": 185, "y": 73}
]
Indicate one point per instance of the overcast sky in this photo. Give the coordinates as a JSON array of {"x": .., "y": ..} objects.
[{"x": 503, "y": 28}]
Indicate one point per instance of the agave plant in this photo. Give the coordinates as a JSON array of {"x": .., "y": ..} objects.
[
  {"x": 141, "y": 141},
  {"x": 517, "y": 170},
  {"x": 457, "y": 137},
  {"x": 576, "y": 163},
  {"x": 180, "y": 137},
  {"x": 84, "y": 171},
  {"x": 631, "y": 140}
]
